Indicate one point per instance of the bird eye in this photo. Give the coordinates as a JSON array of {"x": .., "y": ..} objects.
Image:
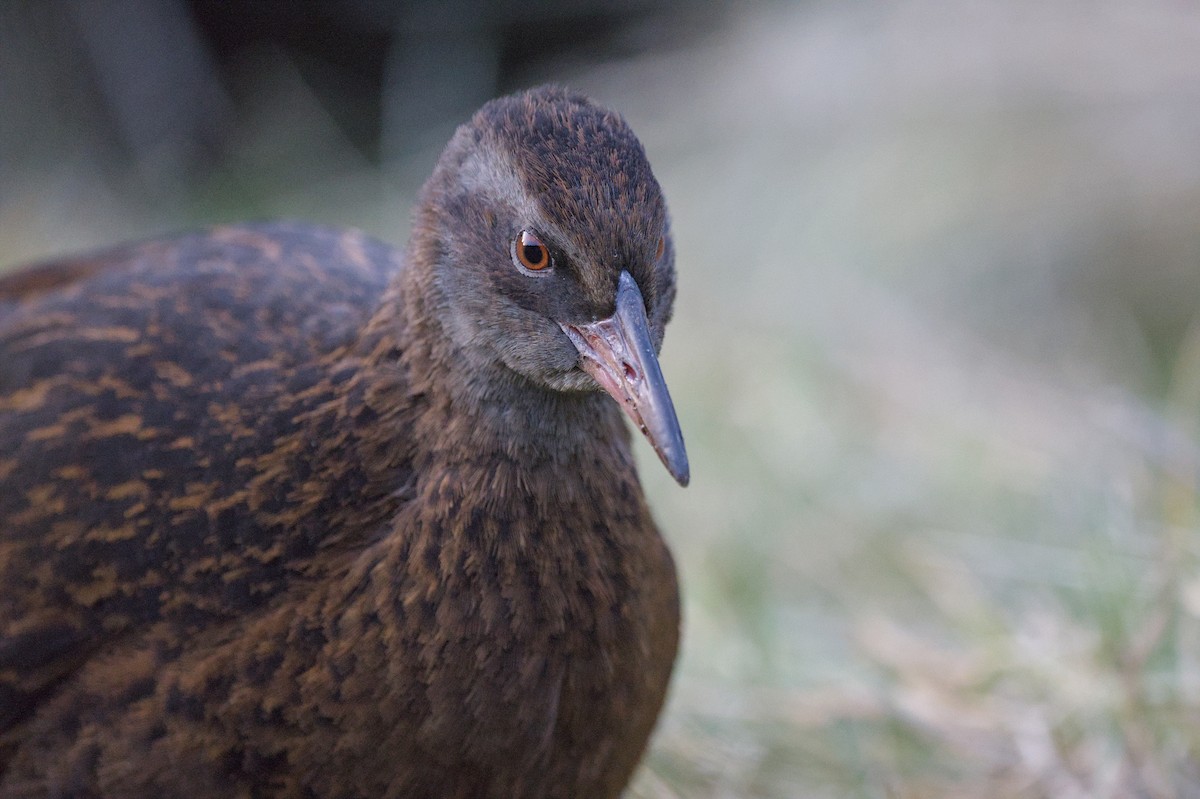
[
  {"x": 662, "y": 246},
  {"x": 530, "y": 253}
]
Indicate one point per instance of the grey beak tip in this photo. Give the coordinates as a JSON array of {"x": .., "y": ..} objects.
[{"x": 675, "y": 458}]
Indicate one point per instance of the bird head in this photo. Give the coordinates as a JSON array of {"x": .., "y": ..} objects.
[{"x": 548, "y": 247}]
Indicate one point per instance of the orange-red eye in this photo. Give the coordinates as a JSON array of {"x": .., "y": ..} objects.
[
  {"x": 662, "y": 246},
  {"x": 529, "y": 252}
]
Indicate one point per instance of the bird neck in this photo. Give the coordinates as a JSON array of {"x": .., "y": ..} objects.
[{"x": 468, "y": 414}]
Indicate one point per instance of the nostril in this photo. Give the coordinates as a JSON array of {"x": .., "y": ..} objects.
[{"x": 630, "y": 372}]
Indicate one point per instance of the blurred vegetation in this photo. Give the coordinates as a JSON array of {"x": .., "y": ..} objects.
[{"x": 935, "y": 349}]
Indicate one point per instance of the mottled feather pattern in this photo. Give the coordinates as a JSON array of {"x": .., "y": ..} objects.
[{"x": 163, "y": 408}]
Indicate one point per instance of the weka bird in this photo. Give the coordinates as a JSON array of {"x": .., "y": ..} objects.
[{"x": 284, "y": 513}]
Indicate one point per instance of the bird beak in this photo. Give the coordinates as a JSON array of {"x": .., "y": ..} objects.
[{"x": 619, "y": 354}]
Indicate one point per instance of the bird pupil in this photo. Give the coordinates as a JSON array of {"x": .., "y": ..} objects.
[{"x": 534, "y": 254}]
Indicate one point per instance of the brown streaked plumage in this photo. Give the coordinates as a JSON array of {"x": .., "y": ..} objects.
[{"x": 285, "y": 514}]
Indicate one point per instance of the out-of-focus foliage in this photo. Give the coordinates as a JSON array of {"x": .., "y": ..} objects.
[{"x": 934, "y": 352}]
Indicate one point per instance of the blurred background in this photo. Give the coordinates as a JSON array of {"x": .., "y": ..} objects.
[{"x": 935, "y": 352}]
